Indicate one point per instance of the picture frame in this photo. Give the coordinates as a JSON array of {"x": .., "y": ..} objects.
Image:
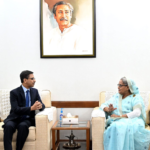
[{"x": 67, "y": 29}]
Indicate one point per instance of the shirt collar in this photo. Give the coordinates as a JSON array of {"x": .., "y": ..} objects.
[
  {"x": 65, "y": 30},
  {"x": 25, "y": 89}
]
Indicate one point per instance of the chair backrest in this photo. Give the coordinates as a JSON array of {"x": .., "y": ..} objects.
[
  {"x": 106, "y": 95},
  {"x": 45, "y": 97},
  {"x": 5, "y": 101}
]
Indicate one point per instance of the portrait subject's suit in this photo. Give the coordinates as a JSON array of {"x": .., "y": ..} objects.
[{"x": 16, "y": 120}]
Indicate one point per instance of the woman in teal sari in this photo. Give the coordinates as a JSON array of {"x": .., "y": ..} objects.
[{"x": 125, "y": 126}]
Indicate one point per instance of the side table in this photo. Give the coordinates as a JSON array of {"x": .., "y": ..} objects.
[{"x": 82, "y": 125}]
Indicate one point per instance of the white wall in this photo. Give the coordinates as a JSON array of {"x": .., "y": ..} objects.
[{"x": 123, "y": 49}]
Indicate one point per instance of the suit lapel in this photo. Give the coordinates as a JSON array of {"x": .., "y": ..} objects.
[{"x": 22, "y": 95}]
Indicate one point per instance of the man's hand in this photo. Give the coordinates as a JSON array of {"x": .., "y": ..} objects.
[{"x": 36, "y": 106}]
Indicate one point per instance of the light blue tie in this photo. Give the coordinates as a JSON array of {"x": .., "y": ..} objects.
[{"x": 27, "y": 98}]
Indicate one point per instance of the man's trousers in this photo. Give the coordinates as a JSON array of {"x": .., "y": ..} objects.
[{"x": 23, "y": 131}]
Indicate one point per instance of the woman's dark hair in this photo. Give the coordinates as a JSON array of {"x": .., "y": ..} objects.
[
  {"x": 25, "y": 75},
  {"x": 62, "y": 3}
]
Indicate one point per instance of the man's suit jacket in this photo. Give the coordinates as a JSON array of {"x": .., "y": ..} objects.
[{"x": 18, "y": 104}]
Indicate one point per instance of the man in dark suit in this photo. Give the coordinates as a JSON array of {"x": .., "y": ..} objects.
[{"x": 24, "y": 101}]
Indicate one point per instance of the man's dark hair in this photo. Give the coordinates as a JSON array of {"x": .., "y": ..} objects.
[
  {"x": 25, "y": 75},
  {"x": 62, "y": 3}
]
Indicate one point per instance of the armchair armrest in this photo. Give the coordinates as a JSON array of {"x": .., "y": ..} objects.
[
  {"x": 98, "y": 127},
  {"x": 43, "y": 131}
]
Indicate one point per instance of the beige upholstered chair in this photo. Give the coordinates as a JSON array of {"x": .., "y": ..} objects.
[
  {"x": 39, "y": 137},
  {"x": 98, "y": 123}
]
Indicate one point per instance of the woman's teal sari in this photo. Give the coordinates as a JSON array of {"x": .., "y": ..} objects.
[{"x": 125, "y": 133}]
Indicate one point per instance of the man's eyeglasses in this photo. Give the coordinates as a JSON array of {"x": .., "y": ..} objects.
[
  {"x": 120, "y": 85},
  {"x": 32, "y": 78}
]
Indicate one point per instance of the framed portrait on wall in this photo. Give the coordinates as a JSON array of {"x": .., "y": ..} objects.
[{"x": 67, "y": 28}]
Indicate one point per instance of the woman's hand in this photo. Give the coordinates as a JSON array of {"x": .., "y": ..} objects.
[
  {"x": 111, "y": 108},
  {"x": 113, "y": 115}
]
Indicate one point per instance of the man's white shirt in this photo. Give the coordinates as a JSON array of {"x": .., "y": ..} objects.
[{"x": 73, "y": 40}]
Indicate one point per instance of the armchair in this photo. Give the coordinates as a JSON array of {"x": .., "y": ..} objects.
[
  {"x": 98, "y": 123},
  {"x": 40, "y": 136}
]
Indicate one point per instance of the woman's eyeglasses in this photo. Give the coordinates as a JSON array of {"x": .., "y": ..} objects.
[{"x": 120, "y": 85}]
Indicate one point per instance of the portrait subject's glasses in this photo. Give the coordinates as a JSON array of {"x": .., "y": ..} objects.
[
  {"x": 120, "y": 85},
  {"x": 32, "y": 78}
]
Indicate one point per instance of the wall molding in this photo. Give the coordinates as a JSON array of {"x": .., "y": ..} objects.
[{"x": 75, "y": 104}]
